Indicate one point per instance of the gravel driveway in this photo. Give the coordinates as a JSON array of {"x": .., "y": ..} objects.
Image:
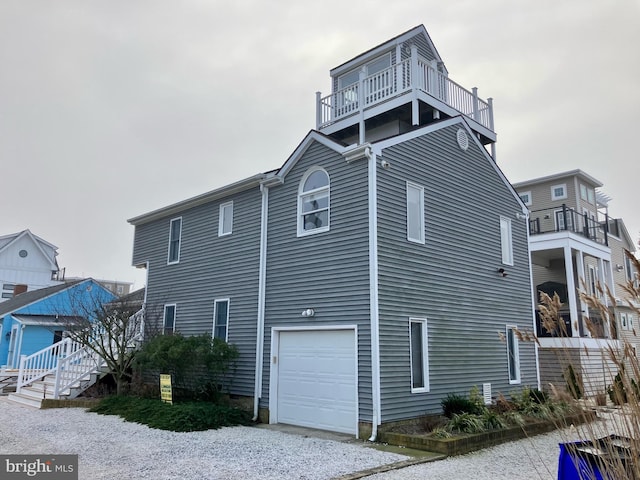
[{"x": 110, "y": 448}]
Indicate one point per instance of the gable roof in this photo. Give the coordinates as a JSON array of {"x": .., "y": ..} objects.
[
  {"x": 432, "y": 127},
  {"x": 397, "y": 40},
  {"x": 32, "y": 296},
  {"x": 311, "y": 137},
  {"x": 7, "y": 241}
]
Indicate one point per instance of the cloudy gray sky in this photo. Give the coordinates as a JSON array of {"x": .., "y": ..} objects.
[{"x": 109, "y": 109}]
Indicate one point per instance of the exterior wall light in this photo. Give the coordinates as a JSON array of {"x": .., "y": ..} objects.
[
  {"x": 309, "y": 312},
  {"x": 502, "y": 272}
]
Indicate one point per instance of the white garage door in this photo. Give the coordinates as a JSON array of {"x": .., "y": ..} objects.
[{"x": 317, "y": 379}]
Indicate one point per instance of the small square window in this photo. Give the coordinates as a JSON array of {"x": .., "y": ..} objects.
[
  {"x": 225, "y": 225},
  {"x": 558, "y": 192},
  {"x": 526, "y": 198}
]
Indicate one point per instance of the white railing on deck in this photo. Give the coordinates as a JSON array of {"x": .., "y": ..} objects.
[{"x": 397, "y": 80}]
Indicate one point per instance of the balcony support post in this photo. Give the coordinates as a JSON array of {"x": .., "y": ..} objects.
[
  {"x": 490, "y": 102},
  {"x": 415, "y": 75},
  {"x": 571, "y": 288},
  {"x": 361, "y": 104},
  {"x": 476, "y": 112},
  {"x": 318, "y": 110}
]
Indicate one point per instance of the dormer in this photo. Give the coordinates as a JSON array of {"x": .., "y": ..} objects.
[{"x": 396, "y": 87}]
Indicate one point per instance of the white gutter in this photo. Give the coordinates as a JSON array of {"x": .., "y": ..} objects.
[
  {"x": 262, "y": 281},
  {"x": 373, "y": 294}
]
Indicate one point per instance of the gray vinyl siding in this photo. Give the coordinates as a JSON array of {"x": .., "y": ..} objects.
[
  {"x": 210, "y": 268},
  {"x": 452, "y": 280},
  {"x": 328, "y": 271}
]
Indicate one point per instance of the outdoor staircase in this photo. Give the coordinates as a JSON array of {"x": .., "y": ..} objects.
[{"x": 61, "y": 371}]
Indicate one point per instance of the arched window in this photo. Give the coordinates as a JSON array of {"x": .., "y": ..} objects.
[{"x": 313, "y": 202}]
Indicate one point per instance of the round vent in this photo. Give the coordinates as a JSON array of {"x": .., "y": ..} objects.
[{"x": 463, "y": 140}]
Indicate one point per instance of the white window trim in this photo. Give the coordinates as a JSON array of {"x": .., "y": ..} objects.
[
  {"x": 164, "y": 317},
  {"x": 559, "y": 197},
  {"x": 518, "y": 378},
  {"x": 506, "y": 241},
  {"x": 529, "y": 201},
  {"x": 421, "y": 238},
  {"x": 425, "y": 355},
  {"x": 221, "y": 219},
  {"x": 301, "y": 231},
  {"x": 215, "y": 317},
  {"x": 177, "y": 260}
]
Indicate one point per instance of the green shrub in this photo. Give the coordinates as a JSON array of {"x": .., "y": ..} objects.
[
  {"x": 466, "y": 423},
  {"x": 200, "y": 366},
  {"x": 179, "y": 417},
  {"x": 493, "y": 421},
  {"x": 456, "y": 404}
]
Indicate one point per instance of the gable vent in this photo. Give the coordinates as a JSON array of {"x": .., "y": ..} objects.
[{"x": 463, "y": 140}]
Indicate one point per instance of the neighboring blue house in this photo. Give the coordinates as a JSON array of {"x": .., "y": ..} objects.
[
  {"x": 375, "y": 271},
  {"x": 36, "y": 319}
]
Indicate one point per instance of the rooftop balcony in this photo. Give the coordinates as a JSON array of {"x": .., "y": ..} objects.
[{"x": 412, "y": 80}]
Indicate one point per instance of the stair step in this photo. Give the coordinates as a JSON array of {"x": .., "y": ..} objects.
[{"x": 25, "y": 400}]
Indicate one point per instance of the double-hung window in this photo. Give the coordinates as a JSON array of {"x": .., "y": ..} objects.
[
  {"x": 506, "y": 241},
  {"x": 169, "y": 321},
  {"x": 415, "y": 213},
  {"x": 221, "y": 319},
  {"x": 313, "y": 202},
  {"x": 419, "y": 355},
  {"x": 513, "y": 354},
  {"x": 225, "y": 225},
  {"x": 175, "y": 233}
]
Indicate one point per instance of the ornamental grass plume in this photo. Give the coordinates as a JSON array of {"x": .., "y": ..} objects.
[{"x": 607, "y": 376}]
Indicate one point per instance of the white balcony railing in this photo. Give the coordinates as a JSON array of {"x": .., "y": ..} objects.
[{"x": 413, "y": 73}]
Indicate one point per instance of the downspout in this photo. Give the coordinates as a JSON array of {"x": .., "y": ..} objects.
[
  {"x": 373, "y": 295},
  {"x": 262, "y": 276},
  {"x": 533, "y": 301}
]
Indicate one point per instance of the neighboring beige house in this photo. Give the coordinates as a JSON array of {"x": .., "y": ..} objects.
[{"x": 575, "y": 246}]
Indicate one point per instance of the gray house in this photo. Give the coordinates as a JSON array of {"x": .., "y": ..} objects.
[{"x": 382, "y": 267}]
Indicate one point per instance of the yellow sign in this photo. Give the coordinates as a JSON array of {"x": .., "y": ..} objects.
[{"x": 165, "y": 389}]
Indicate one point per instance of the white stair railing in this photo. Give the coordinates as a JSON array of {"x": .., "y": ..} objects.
[
  {"x": 68, "y": 359},
  {"x": 45, "y": 362},
  {"x": 73, "y": 362}
]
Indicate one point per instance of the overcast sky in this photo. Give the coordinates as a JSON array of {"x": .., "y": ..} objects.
[{"x": 110, "y": 109}]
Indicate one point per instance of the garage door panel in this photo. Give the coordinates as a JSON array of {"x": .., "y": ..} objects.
[{"x": 317, "y": 379}]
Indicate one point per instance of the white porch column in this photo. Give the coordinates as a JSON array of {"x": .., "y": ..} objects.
[
  {"x": 415, "y": 76},
  {"x": 571, "y": 291},
  {"x": 361, "y": 95},
  {"x": 581, "y": 282}
]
